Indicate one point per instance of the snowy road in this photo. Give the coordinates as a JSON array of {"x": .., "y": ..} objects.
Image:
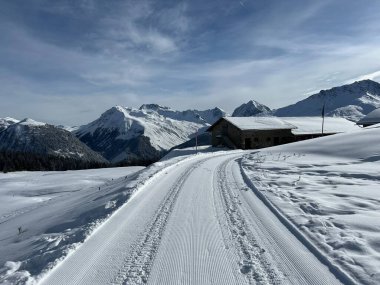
[{"x": 195, "y": 223}]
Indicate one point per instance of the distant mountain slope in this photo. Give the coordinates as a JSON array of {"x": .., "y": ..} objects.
[
  {"x": 144, "y": 134},
  {"x": 207, "y": 116},
  {"x": 68, "y": 128},
  {"x": 29, "y": 136},
  {"x": 252, "y": 108},
  {"x": 211, "y": 115},
  {"x": 6, "y": 122},
  {"x": 352, "y": 101}
]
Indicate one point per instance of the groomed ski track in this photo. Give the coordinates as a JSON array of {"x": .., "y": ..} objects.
[{"x": 195, "y": 223}]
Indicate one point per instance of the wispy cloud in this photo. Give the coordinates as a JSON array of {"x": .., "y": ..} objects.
[
  {"x": 187, "y": 54},
  {"x": 372, "y": 76}
]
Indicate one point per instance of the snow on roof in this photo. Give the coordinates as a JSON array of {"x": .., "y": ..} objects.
[
  {"x": 259, "y": 123},
  {"x": 371, "y": 118},
  {"x": 313, "y": 125},
  {"x": 298, "y": 125}
]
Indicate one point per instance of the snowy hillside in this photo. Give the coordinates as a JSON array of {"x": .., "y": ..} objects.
[
  {"x": 54, "y": 211},
  {"x": 328, "y": 188},
  {"x": 142, "y": 134},
  {"x": 29, "y": 136},
  {"x": 351, "y": 101},
  {"x": 252, "y": 108}
]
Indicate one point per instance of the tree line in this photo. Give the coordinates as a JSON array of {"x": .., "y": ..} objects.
[{"x": 18, "y": 161}]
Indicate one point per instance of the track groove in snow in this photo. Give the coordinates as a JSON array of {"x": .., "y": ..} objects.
[
  {"x": 293, "y": 258},
  {"x": 137, "y": 267},
  {"x": 253, "y": 263},
  {"x": 192, "y": 250}
]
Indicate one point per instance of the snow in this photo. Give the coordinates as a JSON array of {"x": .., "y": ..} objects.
[
  {"x": 6, "y": 122},
  {"x": 192, "y": 223},
  {"x": 351, "y": 101},
  {"x": 252, "y": 108},
  {"x": 31, "y": 122},
  {"x": 301, "y": 213},
  {"x": 371, "y": 118},
  {"x": 68, "y": 128},
  {"x": 201, "y": 117},
  {"x": 299, "y": 125},
  {"x": 50, "y": 208},
  {"x": 313, "y": 125},
  {"x": 58, "y": 211},
  {"x": 328, "y": 188},
  {"x": 162, "y": 131},
  {"x": 259, "y": 123}
]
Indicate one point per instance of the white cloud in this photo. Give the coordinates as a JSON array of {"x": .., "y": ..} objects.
[
  {"x": 141, "y": 53},
  {"x": 372, "y": 76}
]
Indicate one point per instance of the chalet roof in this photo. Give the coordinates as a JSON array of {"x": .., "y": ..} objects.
[
  {"x": 313, "y": 125},
  {"x": 259, "y": 123},
  {"x": 371, "y": 118},
  {"x": 298, "y": 125}
]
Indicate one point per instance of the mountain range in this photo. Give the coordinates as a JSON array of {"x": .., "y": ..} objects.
[
  {"x": 143, "y": 135},
  {"x": 351, "y": 101}
]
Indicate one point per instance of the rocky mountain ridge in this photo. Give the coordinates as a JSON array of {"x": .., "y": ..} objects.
[
  {"x": 29, "y": 136},
  {"x": 352, "y": 101},
  {"x": 252, "y": 108},
  {"x": 143, "y": 134}
]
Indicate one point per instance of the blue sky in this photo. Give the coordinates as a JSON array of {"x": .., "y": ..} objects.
[{"x": 67, "y": 61}]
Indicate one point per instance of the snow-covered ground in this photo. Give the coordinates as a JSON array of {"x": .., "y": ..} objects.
[
  {"x": 44, "y": 214},
  {"x": 193, "y": 223},
  {"x": 303, "y": 213},
  {"x": 330, "y": 189}
]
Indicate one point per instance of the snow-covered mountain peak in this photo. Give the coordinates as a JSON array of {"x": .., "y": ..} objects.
[
  {"x": 153, "y": 107},
  {"x": 124, "y": 133},
  {"x": 352, "y": 101},
  {"x": 6, "y": 122},
  {"x": 30, "y": 136},
  {"x": 31, "y": 122},
  {"x": 9, "y": 120},
  {"x": 117, "y": 117},
  {"x": 252, "y": 108}
]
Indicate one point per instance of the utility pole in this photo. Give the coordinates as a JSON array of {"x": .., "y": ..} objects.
[
  {"x": 196, "y": 142},
  {"x": 323, "y": 116}
]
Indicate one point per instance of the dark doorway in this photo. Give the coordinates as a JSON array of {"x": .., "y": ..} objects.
[
  {"x": 247, "y": 143},
  {"x": 276, "y": 141}
]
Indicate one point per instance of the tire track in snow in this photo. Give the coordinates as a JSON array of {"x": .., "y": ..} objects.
[
  {"x": 137, "y": 267},
  {"x": 252, "y": 261},
  {"x": 192, "y": 250}
]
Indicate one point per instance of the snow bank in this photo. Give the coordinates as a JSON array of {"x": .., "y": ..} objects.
[
  {"x": 362, "y": 143},
  {"x": 328, "y": 188},
  {"x": 46, "y": 215}
]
